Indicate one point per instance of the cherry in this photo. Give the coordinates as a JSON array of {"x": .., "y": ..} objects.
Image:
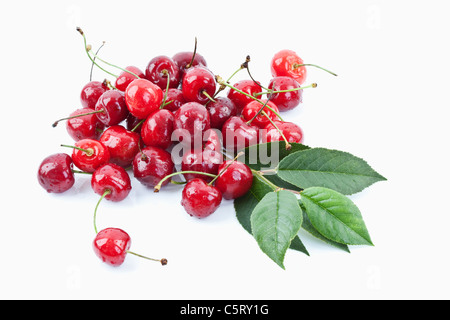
[
  {"x": 143, "y": 98},
  {"x": 190, "y": 121},
  {"x": 151, "y": 165},
  {"x": 111, "y": 246},
  {"x": 133, "y": 124},
  {"x": 239, "y": 99},
  {"x": 125, "y": 78},
  {"x": 220, "y": 111},
  {"x": 112, "y": 182},
  {"x": 202, "y": 161},
  {"x": 112, "y": 108},
  {"x": 55, "y": 173},
  {"x": 261, "y": 120},
  {"x": 87, "y": 126},
  {"x": 235, "y": 179},
  {"x": 285, "y": 100},
  {"x": 199, "y": 199},
  {"x": 91, "y": 92},
  {"x": 198, "y": 85},
  {"x": 183, "y": 59},
  {"x": 292, "y": 132},
  {"x": 288, "y": 63},
  {"x": 237, "y": 134},
  {"x": 211, "y": 140},
  {"x": 174, "y": 99},
  {"x": 161, "y": 70},
  {"x": 122, "y": 144},
  {"x": 157, "y": 129},
  {"x": 89, "y": 154}
]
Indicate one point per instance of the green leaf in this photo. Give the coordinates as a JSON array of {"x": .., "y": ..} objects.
[
  {"x": 326, "y": 168},
  {"x": 275, "y": 222},
  {"x": 245, "y": 205},
  {"x": 335, "y": 216}
]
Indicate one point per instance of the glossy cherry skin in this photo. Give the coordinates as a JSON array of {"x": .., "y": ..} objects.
[
  {"x": 157, "y": 129},
  {"x": 176, "y": 99},
  {"x": 190, "y": 122},
  {"x": 291, "y": 131},
  {"x": 199, "y": 199},
  {"x": 220, "y": 111},
  {"x": 114, "y": 108},
  {"x": 196, "y": 81},
  {"x": 283, "y": 63},
  {"x": 235, "y": 181},
  {"x": 143, "y": 98},
  {"x": 240, "y": 100},
  {"x": 126, "y": 78},
  {"x": 91, "y": 92},
  {"x": 151, "y": 165},
  {"x": 237, "y": 134},
  {"x": 261, "y": 120},
  {"x": 207, "y": 161},
  {"x": 122, "y": 144},
  {"x": 55, "y": 173},
  {"x": 182, "y": 59},
  {"x": 285, "y": 100},
  {"x": 111, "y": 177},
  {"x": 161, "y": 69},
  {"x": 85, "y": 127},
  {"x": 96, "y": 156},
  {"x": 111, "y": 246}
]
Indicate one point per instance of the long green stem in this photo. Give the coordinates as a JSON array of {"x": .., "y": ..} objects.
[
  {"x": 261, "y": 176},
  {"x": 81, "y": 172},
  {"x": 159, "y": 185},
  {"x": 106, "y": 193},
  {"x": 288, "y": 145},
  {"x": 226, "y": 168},
  {"x": 163, "y": 103},
  {"x": 77, "y": 116},
  {"x": 89, "y": 152},
  {"x": 295, "y": 66},
  {"x": 163, "y": 261},
  {"x": 92, "y": 66},
  {"x": 313, "y": 85}
]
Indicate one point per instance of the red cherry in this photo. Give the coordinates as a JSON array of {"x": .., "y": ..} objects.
[
  {"x": 112, "y": 108},
  {"x": 125, "y": 78},
  {"x": 151, "y": 165},
  {"x": 199, "y": 199},
  {"x": 55, "y": 173},
  {"x": 174, "y": 100},
  {"x": 287, "y": 63},
  {"x": 112, "y": 179},
  {"x": 240, "y": 100},
  {"x": 91, "y": 92},
  {"x": 211, "y": 140},
  {"x": 161, "y": 69},
  {"x": 157, "y": 129},
  {"x": 84, "y": 127},
  {"x": 89, "y": 154},
  {"x": 261, "y": 120},
  {"x": 111, "y": 246},
  {"x": 237, "y": 134},
  {"x": 220, "y": 111},
  {"x": 143, "y": 98},
  {"x": 285, "y": 100},
  {"x": 207, "y": 161},
  {"x": 182, "y": 59},
  {"x": 198, "y": 83},
  {"x": 122, "y": 144},
  {"x": 190, "y": 122},
  {"x": 291, "y": 131},
  {"x": 234, "y": 181}
]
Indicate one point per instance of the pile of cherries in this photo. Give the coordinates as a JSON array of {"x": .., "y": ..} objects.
[{"x": 135, "y": 124}]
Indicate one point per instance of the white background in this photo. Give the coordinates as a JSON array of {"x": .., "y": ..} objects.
[{"x": 389, "y": 105}]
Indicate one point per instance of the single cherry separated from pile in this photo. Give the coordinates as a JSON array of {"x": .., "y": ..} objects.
[{"x": 129, "y": 126}]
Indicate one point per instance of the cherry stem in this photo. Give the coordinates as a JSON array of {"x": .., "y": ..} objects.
[
  {"x": 92, "y": 66},
  {"x": 81, "y": 172},
  {"x": 106, "y": 193},
  {"x": 163, "y": 261},
  {"x": 208, "y": 96},
  {"x": 163, "y": 103},
  {"x": 226, "y": 168},
  {"x": 258, "y": 113},
  {"x": 193, "y": 56},
  {"x": 288, "y": 145},
  {"x": 295, "y": 66},
  {"x": 89, "y": 152},
  {"x": 250, "y": 96},
  {"x": 138, "y": 125},
  {"x": 251, "y": 77},
  {"x": 267, "y": 181},
  {"x": 159, "y": 185},
  {"x": 313, "y": 85},
  {"x": 77, "y": 116}
]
